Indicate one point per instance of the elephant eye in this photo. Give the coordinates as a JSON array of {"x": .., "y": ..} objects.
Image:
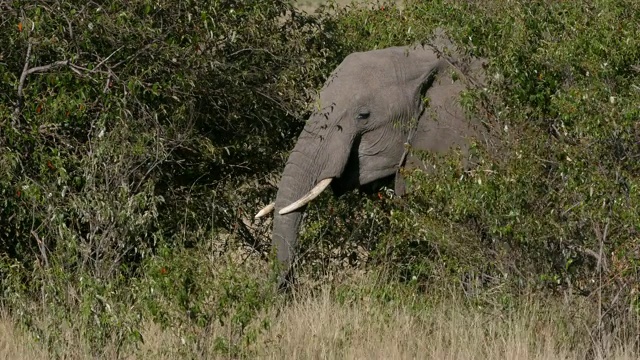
[{"x": 363, "y": 115}]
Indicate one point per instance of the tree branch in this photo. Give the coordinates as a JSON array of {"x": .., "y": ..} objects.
[
  {"x": 105, "y": 59},
  {"x": 26, "y": 71},
  {"x": 44, "y": 68},
  {"x": 23, "y": 77}
]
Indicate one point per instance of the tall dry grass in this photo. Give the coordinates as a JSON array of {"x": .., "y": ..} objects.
[
  {"x": 318, "y": 326},
  {"x": 14, "y": 344}
]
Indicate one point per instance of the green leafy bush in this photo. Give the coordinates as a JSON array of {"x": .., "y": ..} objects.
[
  {"x": 128, "y": 112},
  {"x": 558, "y": 207},
  {"x": 137, "y": 139},
  {"x": 131, "y": 127}
]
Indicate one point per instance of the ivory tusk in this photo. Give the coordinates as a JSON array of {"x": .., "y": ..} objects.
[
  {"x": 317, "y": 190},
  {"x": 265, "y": 210}
]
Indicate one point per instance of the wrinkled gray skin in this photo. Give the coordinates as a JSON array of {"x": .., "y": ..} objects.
[{"x": 364, "y": 116}]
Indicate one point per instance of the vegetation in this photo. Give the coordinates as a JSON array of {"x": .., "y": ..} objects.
[{"x": 137, "y": 140}]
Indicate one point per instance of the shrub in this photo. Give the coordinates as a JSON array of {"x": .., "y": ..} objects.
[
  {"x": 138, "y": 138},
  {"x": 137, "y": 126},
  {"x": 127, "y": 112},
  {"x": 558, "y": 208}
]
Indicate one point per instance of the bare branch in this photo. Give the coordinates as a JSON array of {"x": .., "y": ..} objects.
[
  {"x": 44, "y": 68},
  {"x": 23, "y": 77},
  {"x": 26, "y": 71},
  {"x": 70, "y": 27},
  {"x": 107, "y": 83},
  {"x": 105, "y": 59},
  {"x": 42, "y": 247},
  {"x": 77, "y": 68}
]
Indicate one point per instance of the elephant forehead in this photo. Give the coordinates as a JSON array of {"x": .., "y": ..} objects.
[
  {"x": 379, "y": 69},
  {"x": 376, "y": 78},
  {"x": 369, "y": 75},
  {"x": 350, "y": 93},
  {"x": 351, "y": 87},
  {"x": 361, "y": 80}
]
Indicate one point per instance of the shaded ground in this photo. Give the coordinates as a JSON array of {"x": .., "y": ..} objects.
[{"x": 311, "y": 5}]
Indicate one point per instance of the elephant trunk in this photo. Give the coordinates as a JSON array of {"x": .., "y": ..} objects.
[
  {"x": 308, "y": 171},
  {"x": 294, "y": 184}
]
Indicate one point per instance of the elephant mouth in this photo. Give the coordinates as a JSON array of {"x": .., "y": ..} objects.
[
  {"x": 347, "y": 180},
  {"x": 340, "y": 188}
]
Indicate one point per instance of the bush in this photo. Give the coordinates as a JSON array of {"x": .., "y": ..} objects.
[
  {"x": 138, "y": 126},
  {"x": 138, "y": 138},
  {"x": 557, "y": 209},
  {"x": 128, "y": 112}
]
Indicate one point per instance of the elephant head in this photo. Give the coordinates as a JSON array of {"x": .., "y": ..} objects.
[{"x": 372, "y": 106}]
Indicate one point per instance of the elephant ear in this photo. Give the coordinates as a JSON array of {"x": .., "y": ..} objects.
[
  {"x": 434, "y": 50},
  {"x": 447, "y": 58},
  {"x": 442, "y": 123}
]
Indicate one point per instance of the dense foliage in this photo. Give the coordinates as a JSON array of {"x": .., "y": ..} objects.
[
  {"x": 138, "y": 138},
  {"x": 128, "y": 128}
]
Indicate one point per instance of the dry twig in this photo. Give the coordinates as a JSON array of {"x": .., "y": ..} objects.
[
  {"x": 26, "y": 71},
  {"x": 23, "y": 77}
]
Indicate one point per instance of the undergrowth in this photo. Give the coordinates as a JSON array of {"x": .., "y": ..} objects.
[{"x": 137, "y": 139}]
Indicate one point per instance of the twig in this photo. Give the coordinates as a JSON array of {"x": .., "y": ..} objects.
[
  {"x": 602, "y": 237},
  {"x": 23, "y": 76},
  {"x": 106, "y": 85},
  {"x": 44, "y": 68},
  {"x": 77, "y": 68},
  {"x": 42, "y": 248},
  {"x": 105, "y": 59},
  {"x": 26, "y": 71},
  {"x": 70, "y": 28},
  {"x": 73, "y": 68},
  {"x": 564, "y": 213}
]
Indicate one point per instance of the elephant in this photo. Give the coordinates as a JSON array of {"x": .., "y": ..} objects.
[{"x": 374, "y": 108}]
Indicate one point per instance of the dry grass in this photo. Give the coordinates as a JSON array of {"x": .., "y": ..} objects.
[
  {"x": 319, "y": 327},
  {"x": 14, "y": 345}
]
